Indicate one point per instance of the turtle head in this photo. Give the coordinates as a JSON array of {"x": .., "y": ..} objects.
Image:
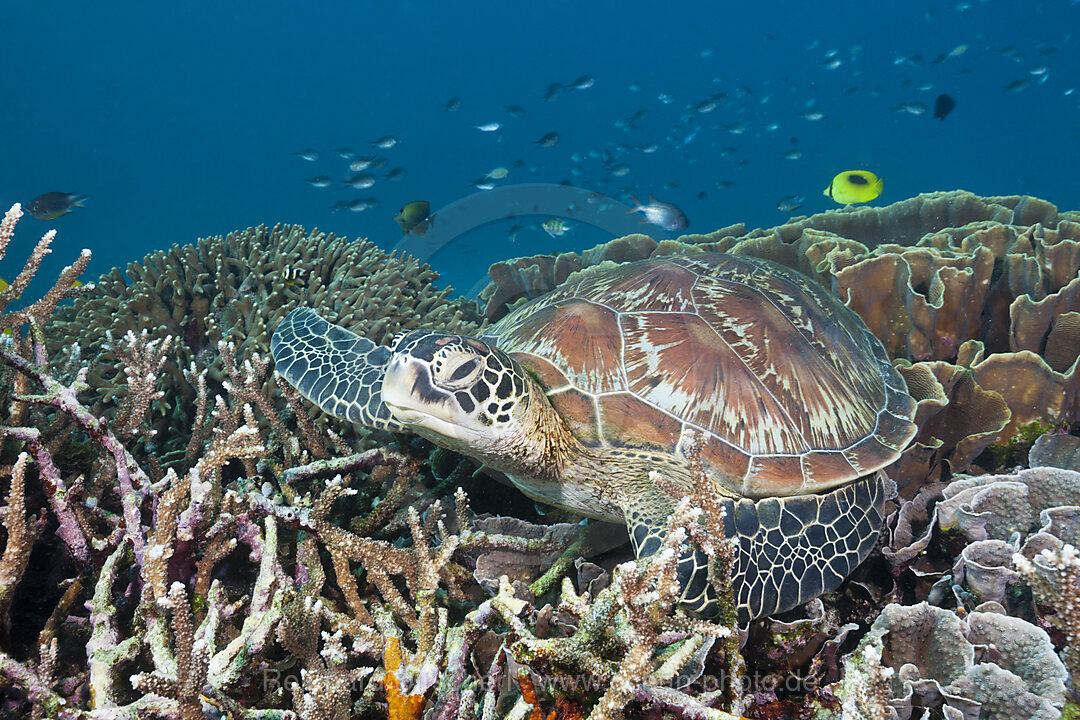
[{"x": 456, "y": 391}]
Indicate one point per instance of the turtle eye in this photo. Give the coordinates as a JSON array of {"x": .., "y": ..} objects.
[{"x": 457, "y": 373}]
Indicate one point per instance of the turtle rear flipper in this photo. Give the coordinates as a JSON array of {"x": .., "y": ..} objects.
[
  {"x": 790, "y": 549},
  {"x": 334, "y": 368}
]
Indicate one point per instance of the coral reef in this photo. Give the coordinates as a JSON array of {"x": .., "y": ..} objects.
[
  {"x": 266, "y": 565},
  {"x": 231, "y": 583},
  {"x": 235, "y": 289}
]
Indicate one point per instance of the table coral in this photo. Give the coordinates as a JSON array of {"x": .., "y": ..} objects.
[{"x": 233, "y": 289}]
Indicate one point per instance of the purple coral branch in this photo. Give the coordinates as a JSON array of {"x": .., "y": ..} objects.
[
  {"x": 69, "y": 529},
  {"x": 37, "y": 691},
  {"x": 672, "y": 699},
  {"x": 344, "y": 465},
  {"x": 65, "y": 397}
]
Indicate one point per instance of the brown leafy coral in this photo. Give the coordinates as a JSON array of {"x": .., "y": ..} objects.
[{"x": 235, "y": 289}]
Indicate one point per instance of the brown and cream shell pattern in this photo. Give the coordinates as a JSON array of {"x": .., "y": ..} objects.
[{"x": 783, "y": 389}]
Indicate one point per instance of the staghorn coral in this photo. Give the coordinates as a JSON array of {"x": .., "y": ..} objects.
[{"x": 232, "y": 289}]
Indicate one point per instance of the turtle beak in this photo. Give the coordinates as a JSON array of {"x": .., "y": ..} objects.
[
  {"x": 408, "y": 393},
  {"x": 428, "y": 411}
]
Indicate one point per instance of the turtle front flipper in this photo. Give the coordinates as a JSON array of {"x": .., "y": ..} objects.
[
  {"x": 646, "y": 515},
  {"x": 334, "y": 368},
  {"x": 790, "y": 549}
]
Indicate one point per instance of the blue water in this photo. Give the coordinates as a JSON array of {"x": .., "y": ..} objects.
[{"x": 180, "y": 121}]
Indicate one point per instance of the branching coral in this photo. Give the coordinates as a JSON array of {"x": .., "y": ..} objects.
[
  {"x": 63, "y": 289},
  {"x": 234, "y": 289},
  {"x": 618, "y": 633}
]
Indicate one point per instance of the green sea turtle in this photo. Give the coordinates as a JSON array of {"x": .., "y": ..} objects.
[{"x": 790, "y": 401}]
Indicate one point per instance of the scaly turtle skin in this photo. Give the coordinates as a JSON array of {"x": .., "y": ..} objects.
[{"x": 790, "y": 402}]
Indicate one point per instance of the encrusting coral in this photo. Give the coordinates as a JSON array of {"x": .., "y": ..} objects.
[{"x": 271, "y": 568}]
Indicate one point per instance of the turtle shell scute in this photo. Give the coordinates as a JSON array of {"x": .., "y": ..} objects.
[{"x": 766, "y": 377}]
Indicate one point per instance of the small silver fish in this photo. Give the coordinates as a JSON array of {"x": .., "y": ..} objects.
[
  {"x": 790, "y": 203},
  {"x": 583, "y": 83},
  {"x": 700, "y": 108},
  {"x": 309, "y": 154},
  {"x": 319, "y": 181},
  {"x": 912, "y": 108},
  {"x": 554, "y": 90},
  {"x": 385, "y": 142},
  {"x": 452, "y": 104},
  {"x": 489, "y": 127},
  {"x": 358, "y": 205},
  {"x": 514, "y": 230},
  {"x": 361, "y": 181},
  {"x": 361, "y": 164},
  {"x": 663, "y": 214},
  {"x": 548, "y": 140}
]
